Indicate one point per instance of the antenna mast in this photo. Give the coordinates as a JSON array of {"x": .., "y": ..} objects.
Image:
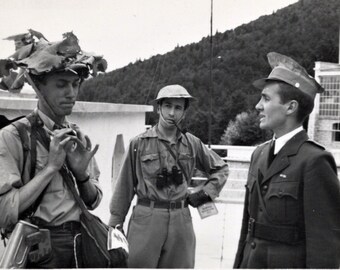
[{"x": 211, "y": 84}]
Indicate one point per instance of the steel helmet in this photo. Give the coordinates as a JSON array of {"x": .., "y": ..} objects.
[{"x": 172, "y": 91}]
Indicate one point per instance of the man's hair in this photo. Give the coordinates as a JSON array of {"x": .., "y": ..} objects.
[
  {"x": 186, "y": 103},
  {"x": 306, "y": 103}
]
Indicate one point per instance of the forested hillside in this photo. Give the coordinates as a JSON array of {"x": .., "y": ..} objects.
[{"x": 308, "y": 31}]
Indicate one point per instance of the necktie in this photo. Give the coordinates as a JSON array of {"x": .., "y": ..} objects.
[{"x": 271, "y": 155}]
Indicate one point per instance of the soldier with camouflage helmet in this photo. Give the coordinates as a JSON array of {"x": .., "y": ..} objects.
[
  {"x": 158, "y": 168},
  {"x": 34, "y": 189}
]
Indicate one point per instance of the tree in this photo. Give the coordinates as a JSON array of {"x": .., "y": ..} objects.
[{"x": 244, "y": 130}]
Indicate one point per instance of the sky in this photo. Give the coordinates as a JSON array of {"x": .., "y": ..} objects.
[{"x": 128, "y": 30}]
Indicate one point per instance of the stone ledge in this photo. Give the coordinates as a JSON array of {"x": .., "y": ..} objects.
[{"x": 15, "y": 103}]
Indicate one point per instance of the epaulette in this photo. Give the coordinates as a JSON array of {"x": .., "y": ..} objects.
[{"x": 316, "y": 144}]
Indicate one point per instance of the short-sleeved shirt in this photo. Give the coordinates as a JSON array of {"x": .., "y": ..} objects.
[{"x": 57, "y": 205}]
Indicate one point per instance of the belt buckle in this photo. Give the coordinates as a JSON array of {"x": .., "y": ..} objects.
[
  {"x": 172, "y": 205},
  {"x": 251, "y": 224}
]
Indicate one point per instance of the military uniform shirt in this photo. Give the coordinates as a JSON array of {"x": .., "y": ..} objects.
[{"x": 145, "y": 158}]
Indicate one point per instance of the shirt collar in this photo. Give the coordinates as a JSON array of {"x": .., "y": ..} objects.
[
  {"x": 280, "y": 142},
  {"x": 48, "y": 122},
  {"x": 152, "y": 133}
]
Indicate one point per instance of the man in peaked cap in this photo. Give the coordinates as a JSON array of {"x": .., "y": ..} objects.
[
  {"x": 158, "y": 167},
  {"x": 32, "y": 186},
  {"x": 292, "y": 203}
]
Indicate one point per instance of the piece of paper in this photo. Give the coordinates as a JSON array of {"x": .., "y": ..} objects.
[
  {"x": 116, "y": 239},
  {"x": 207, "y": 210}
]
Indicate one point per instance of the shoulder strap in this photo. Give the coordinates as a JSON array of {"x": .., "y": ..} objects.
[
  {"x": 179, "y": 163},
  {"x": 33, "y": 153},
  {"x": 21, "y": 128},
  {"x": 66, "y": 174},
  {"x": 135, "y": 151}
]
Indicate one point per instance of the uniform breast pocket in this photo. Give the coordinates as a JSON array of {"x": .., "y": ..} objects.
[
  {"x": 150, "y": 164},
  {"x": 187, "y": 161},
  {"x": 283, "y": 201}
]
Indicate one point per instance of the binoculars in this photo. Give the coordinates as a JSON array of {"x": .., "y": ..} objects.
[{"x": 166, "y": 178}]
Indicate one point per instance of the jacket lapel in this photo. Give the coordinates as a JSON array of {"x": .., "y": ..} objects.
[{"x": 281, "y": 160}]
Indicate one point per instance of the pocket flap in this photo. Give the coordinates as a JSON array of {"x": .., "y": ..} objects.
[
  {"x": 284, "y": 189},
  {"x": 149, "y": 157}
]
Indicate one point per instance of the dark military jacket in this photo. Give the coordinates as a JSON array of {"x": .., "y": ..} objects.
[{"x": 291, "y": 214}]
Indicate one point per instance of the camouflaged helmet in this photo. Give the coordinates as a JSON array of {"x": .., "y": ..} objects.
[
  {"x": 172, "y": 91},
  {"x": 37, "y": 56}
]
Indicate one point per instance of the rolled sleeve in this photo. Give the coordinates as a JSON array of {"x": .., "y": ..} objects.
[
  {"x": 124, "y": 189},
  {"x": 11, "y": 158}
]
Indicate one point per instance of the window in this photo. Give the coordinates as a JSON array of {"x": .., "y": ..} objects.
[
  {"x": 330, "y": 98},
  {"x": 336, "y": 132}
]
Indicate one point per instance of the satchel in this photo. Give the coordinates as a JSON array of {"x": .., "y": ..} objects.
[
  {"x": 94, "y": 235},
  {"x": 94, "y": 245}
]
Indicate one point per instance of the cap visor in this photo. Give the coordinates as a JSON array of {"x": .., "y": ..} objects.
[{"x": 260, "y": 83}]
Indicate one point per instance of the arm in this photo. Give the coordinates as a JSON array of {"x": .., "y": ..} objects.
[
  {"x": 15, "y": 197},
  {"x": 321, "y": 211},
  {"x": 81, "y": 161},
  {"x": 212, "y": 164},
  {"x": 90, "y": 190},
  {"x": 125, "y": 187},
  {"x": 244, "y": 232}
]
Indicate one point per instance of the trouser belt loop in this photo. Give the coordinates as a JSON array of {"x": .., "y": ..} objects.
[{"x": 152, "y": 204}]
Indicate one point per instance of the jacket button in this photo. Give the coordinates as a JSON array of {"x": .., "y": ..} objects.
[
  {"x": 253, "y": 245},
  {"x": 265, "y": 187}
]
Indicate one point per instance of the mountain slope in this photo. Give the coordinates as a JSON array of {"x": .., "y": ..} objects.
[{"x": 307, "y": 31}]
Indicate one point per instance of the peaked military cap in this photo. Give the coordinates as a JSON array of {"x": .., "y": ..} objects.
[{"x": 287, "y": 70}]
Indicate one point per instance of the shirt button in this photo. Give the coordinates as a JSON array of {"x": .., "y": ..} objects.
[
  {"x": 280, "y": 193},
  {"x": 265, "y": 187},
  {"x": 253, "y": 245}
]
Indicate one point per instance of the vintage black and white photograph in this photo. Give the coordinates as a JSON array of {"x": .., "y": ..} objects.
[{"x": 198, "y": 134}]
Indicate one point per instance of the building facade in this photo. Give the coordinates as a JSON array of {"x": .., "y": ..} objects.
[{"x": 324, "y": 122}]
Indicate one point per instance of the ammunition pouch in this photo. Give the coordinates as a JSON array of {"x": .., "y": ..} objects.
[{"x": 26, "y": 242}]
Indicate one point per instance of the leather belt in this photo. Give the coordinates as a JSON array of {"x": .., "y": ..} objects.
[
  {"x": 67, "y": 226},
  {"x": 284, "y": 234},
  {"x": 171, "y": 205}
]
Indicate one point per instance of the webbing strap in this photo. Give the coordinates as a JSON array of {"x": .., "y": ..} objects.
[
  {"x": 179, "y": 163},
  {"x": 67, "y": 177}
]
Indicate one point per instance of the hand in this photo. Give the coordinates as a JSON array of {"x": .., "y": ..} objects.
[
  {"x": 198, "y": 198},
  {"x": 58, "y": 145},
  {"x": 79, "y": 155}
]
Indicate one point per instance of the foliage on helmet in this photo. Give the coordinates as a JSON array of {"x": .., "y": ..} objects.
[{"x": 36, "y": 55}]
